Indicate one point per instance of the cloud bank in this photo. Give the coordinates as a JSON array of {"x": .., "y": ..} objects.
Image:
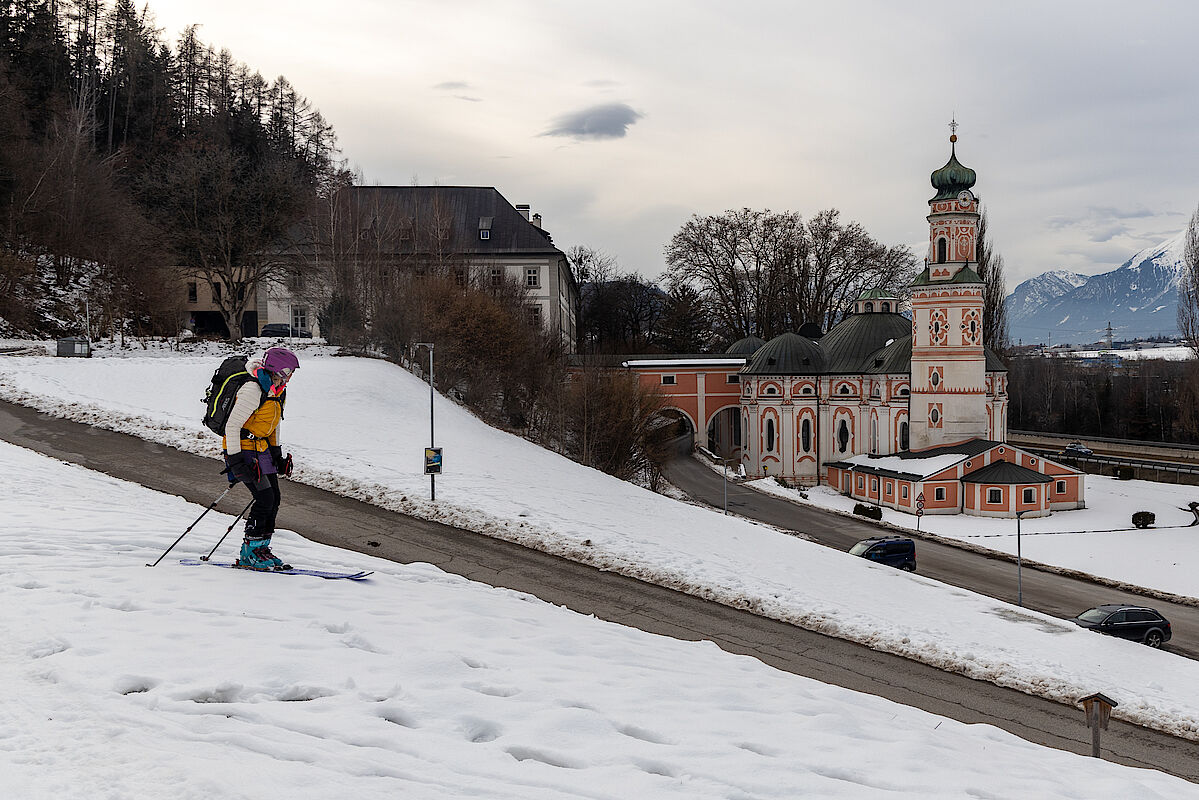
[{"x": 606, "y": 121}]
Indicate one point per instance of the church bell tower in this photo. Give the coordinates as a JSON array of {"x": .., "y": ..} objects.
[{"x": 947, "y": 404}]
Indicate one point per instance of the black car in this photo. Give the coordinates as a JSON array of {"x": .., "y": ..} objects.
[
  {"x": 283, "y": 329},
  {"x": 1135, "y": 623},
  {"x": 1077, "y": 449},
  {"x": 894, "y": 551}
]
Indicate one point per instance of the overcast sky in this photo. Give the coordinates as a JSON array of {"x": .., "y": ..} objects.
[{"x": 618, "y": 120}]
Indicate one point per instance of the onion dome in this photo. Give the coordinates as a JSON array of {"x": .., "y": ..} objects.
[
  {"x": 786, "y": 354},
  {"x": 953, "y": 177},
  {"x": 745, "y": 347}
]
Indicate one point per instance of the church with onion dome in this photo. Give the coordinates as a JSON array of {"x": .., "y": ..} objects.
[{"x": 900, "y": 404}]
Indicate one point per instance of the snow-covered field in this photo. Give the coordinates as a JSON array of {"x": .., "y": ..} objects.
[
  {"x": 1098, "y": 540},
  {"x": 195, "y": 682},
  {"x": 358, "y": 427}
]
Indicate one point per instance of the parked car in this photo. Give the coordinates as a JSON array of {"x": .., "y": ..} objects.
[
  {"x": 283, "y": 329},
  {"x": 1077, "y": 449},
  {"x": 894, "y": 551},
  {"x": 1135, "y": 623}
]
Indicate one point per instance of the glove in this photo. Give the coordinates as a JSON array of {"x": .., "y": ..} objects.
[
  {"x": 282, "y": 462},
  {"x": 241, "y": 468}
]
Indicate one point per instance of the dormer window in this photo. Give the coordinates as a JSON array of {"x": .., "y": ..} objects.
[
  {"x": 484, "y": 234},
  {"x": 485, "y": 228}
]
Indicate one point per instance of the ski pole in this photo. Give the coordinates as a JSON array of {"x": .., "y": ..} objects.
[
  {"x": 189, "y": 527},
  {"x": 227, "y": 530}
]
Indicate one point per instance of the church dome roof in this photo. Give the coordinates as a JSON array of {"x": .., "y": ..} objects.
[
  {"x": 786, "y": 354},
  {"x": 953, "y": 177},
  {"x": 745, "y": 347},
  {"x": 847, "y": 346}
]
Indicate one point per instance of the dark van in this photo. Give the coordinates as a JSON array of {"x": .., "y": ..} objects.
[{"x": 894, "y": 551}]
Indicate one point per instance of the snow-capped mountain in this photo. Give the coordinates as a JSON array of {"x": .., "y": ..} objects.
[{"x": 1139, "y": 299}]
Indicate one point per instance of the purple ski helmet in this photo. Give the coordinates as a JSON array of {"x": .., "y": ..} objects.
[{"x": 280, "y": 361}]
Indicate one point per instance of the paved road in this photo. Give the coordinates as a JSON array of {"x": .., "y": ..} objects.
[
  {"x": 1048, "y": 592},
  {"x": 348, "y": 523}
]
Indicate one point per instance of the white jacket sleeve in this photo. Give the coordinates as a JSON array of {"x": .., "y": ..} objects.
[{"x": 249, "y": 397}]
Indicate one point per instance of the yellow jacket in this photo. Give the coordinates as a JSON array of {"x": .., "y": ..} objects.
[{"x": 258, "y": 416}]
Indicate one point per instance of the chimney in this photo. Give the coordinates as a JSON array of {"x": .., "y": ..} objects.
[
  {"x": 523, "y": 208},
  {"x": 537, "y": 220}
]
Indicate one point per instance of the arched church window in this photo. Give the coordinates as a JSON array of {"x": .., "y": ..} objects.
[
  {"x": 886, "y": 307},
  {"x": 942, "y": 251},
  {"x": 770, "y": 435},
  {"x": 869, "y": 307},
  {"x": 874, "y": 435},
  {"x": 806, "y": 390},
  {"x": 844, "y": 388},
  {"x": 806, "y": 434},
  {"x": 903, "y": 435},
  {"x": 843, "y": 435}
]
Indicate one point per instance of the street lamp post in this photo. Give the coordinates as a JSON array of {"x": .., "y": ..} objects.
[
  {"x": 1019, "y": 562},
  {"x": 725, "y": 464},
  {"x": 432, "y": 438}
]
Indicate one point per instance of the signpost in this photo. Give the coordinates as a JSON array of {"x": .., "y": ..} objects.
[
  {"x": 919, "y": 510},
  {"x": 432, "y": 460},
  {"x": 1098, "y": 709},
  {"x": 432, "y": 440}
]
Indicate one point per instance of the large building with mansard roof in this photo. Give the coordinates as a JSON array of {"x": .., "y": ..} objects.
[{"x": 902, "y": 411}]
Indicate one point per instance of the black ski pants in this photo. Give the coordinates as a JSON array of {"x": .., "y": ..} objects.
[{"x": 261, "y": 520}]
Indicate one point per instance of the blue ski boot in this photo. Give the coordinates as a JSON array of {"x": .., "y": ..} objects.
[{"x": 256, "y": 554}]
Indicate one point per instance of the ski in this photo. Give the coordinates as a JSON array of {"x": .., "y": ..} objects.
[{"x": 315, "y": 573}]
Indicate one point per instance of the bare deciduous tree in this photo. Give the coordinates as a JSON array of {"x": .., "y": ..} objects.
[
  {"x": 1188, "y": 288},
  {"x": 990, "y": 269},
  {"x": 762, "y": 273}
]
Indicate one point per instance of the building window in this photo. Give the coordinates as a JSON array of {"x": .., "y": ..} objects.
[
  {"x": 484, "y": 235},
  {"x": 869, "y": 307},
  {"x": 861, "y": 483},
  {"x": 299, "y": 317},
  {"x": 497, "y": 276},
  {"x": 769, "y": 435},
  {"x": 886, "y": 308},
  {"x": 939, "y": 494},
  {"x": 994, "y": 496},
  {"x": 942, "y": 251},
  {"x": 903, "y": 435},
  {"x": 535, "y": 316},
  {"x": 903, "y": 491},
  {"x": 533, "y": 278},
  {"x": 668, "y": 380},
  {"x": 874, "y": 484},
  {"x": 295, "y": 281},
  {"x": 806, "y": 390},
  {"x": 460, "y": 277},
  {"x": 769, "y": 390},
  {"x": 193, "y": 292},
  {"x": 216, "y": 292},
  {"x": 1061, "y": 487},
  {"x": 889, "y": 491},
  {"x": 843, "y": 435},
  {"x": 844, "y": 389},
  {"x": 1030, "y": 496},
  {"x": 806, "y": 434},
  {"x": 734, "y": 378}
]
